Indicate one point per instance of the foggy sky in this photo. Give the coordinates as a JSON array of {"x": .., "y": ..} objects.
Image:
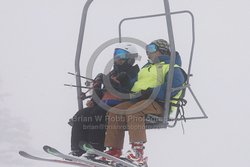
[{"x": 38, "y": 41}]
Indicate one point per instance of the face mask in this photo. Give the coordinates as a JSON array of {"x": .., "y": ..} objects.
[{"x": 122, "y": 67}]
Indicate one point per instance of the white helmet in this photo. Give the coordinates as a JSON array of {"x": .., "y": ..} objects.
[
  {"x": 127, "y": 51},
  {"x": 128, "y": 47}
]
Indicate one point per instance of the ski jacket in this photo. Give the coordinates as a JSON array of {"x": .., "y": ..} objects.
[{"x": 154, "y": 76}]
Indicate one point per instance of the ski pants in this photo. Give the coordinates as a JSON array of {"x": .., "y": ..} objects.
[
  {"x": 130, "y": 116},
  {"x": 89, "y": 126}
]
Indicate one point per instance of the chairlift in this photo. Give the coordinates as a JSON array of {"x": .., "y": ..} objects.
[{"x": 151, "y": 121}]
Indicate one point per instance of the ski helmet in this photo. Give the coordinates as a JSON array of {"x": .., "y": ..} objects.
[
  {"x": 163, "y": 46},
  {"x": 126, "y": 51}
]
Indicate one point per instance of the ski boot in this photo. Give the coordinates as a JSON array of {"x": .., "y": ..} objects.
[
  {"x": 90, "y": 156},
  {"x": 113, "y": 152},
  {"x": 135, "y": 155},
  {"x": 77, "y": 152}
]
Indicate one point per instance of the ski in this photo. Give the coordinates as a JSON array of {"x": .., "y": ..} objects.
[
  {"x": 89, "y": 163},
  {"x": 117, "y": 162},
  {"x": 29, "y": 156}
]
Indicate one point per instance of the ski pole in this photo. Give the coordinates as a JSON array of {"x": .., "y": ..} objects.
[
  {"x": 78, "y": 86},
  {"x": 80, "y": 76}
]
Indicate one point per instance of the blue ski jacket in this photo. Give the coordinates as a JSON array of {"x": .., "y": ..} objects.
[{"x": 178, "y": 79}]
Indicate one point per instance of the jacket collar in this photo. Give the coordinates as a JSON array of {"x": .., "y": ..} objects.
[{"x": 166, "y": 59}]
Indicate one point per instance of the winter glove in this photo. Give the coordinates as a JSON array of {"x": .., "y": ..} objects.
[
  {"x": 122, "y": 77},
  {"x": 142, "y": 95},
  {"x": 98, "y": 80},
  {"x": 90, "y": 103},
  {"x": 145, "y": 94},
  {"x": 99, "y": 77}
]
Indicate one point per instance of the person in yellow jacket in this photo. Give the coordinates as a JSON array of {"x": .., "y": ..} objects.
[{"x": 149, "y": 91}]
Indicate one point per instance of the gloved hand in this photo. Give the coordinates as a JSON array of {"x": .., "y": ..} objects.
[
  {"x": 122, "y": 77},
  {"x": 99, "y": 77},
  {"x": 98, "y": 80},
  {"x": 143, "y": 95},
  {"x": 90, "y": 103},
  {"x": 119, "y": 78}
]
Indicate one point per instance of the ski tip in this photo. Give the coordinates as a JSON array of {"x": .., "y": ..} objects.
[
  {"x": 48, "y": 149},
  {"x": 23, "y": 154},
  {"x": 45, "y": 148}
]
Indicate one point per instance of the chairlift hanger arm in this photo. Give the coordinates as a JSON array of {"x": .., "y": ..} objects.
[{"x": 78, "y": 52}]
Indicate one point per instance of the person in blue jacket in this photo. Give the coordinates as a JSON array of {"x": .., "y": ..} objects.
[
  {"x": 151, "y": 85},
  {"x": 89, "y": 123}
]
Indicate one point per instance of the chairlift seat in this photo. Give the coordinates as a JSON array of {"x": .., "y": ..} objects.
[
  {"x": 153, "y": 119},
  {"x": 156, "y": 122}
]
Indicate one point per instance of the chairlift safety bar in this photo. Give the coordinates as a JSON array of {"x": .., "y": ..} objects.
[{"x": 163, "y": 14}]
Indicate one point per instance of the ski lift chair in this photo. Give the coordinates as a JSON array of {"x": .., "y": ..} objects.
[
  {"x": 176, "y": 113},
  {"x": 152, "y": 121},
  {"x": 175, "y": 110}
]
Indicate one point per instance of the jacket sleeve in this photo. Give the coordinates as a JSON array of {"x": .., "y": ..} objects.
[
  {"x": 178, "y": 81},
  {"x": 132, "y": 77}
]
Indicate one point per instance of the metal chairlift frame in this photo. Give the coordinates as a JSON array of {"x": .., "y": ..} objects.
[{"x": 167, "y": 15}]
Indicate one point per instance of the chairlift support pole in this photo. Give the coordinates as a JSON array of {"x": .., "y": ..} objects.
[
  {"x": 172, "y": 61},
  {"x": 78, "y": 52}
]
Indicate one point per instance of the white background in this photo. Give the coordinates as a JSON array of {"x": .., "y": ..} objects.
[{"x": 38, "y": 41}]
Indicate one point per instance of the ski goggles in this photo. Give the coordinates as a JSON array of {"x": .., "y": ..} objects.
[
  {"x": 120, "y": 54},
  {"x": 151, "y": 48}
]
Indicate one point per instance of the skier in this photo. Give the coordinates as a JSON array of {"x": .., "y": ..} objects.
[
  {"x": 89, "y": 123},
  {"x": 151, "y": 78}
]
